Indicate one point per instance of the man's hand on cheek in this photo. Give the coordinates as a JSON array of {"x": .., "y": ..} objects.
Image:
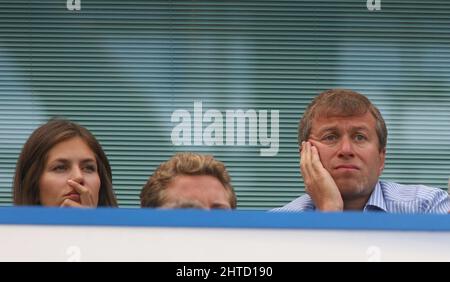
[{"x": 320, "y": 186}]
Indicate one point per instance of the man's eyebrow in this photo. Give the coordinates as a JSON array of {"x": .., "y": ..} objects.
[
  {"x": 360, "y": 128},
  {"x": 326, "y": 129}
]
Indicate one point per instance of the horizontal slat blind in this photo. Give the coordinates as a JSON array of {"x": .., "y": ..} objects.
[{"x": 122, "y": 68}]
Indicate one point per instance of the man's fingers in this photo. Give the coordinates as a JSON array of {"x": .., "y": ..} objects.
[
  {"x": 316, "y": 164},
  {"x": 308, "y": 159},
  {"x": 319, "y": 184},
  {"x": 307, "y": 172},
  {"x": 302, "y": 159}
]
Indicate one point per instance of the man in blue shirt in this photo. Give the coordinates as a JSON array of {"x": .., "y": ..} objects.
[{"x": 343, "y": 148}]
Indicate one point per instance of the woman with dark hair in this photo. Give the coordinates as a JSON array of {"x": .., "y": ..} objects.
[{"x": 62, "y": 164}]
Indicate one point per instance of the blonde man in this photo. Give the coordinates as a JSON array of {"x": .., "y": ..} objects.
[{"x": 189, "y": 180}]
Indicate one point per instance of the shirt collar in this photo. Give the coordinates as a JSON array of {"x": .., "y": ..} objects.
[{"x": 376, "y": 201}]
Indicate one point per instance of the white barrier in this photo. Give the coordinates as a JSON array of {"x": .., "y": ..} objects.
[{"x": 39, "y": 234}]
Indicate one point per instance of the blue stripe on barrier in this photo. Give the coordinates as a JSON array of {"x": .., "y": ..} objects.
[{"x": 222, "y": 219}]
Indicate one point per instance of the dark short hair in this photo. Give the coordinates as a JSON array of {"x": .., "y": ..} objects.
[
  {"x": 341, "y": 103},
  {"x": 33, "y": 158}
]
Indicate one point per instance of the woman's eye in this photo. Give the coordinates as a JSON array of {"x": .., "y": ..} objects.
[
  {"x": 90, "y": 168},
  {"x": 59, "y": 168}
]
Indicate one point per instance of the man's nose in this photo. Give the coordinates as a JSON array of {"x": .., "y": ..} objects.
[{"x": 346, "y": 148}]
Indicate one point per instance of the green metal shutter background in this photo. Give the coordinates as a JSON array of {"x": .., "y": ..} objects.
[{"x": 121, "y": 68}]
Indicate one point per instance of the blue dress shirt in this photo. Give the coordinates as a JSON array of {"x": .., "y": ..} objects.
[{"x": 390, "y": 197}]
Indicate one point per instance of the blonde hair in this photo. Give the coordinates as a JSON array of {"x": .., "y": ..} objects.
[{"x": 153, "y": 192}]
